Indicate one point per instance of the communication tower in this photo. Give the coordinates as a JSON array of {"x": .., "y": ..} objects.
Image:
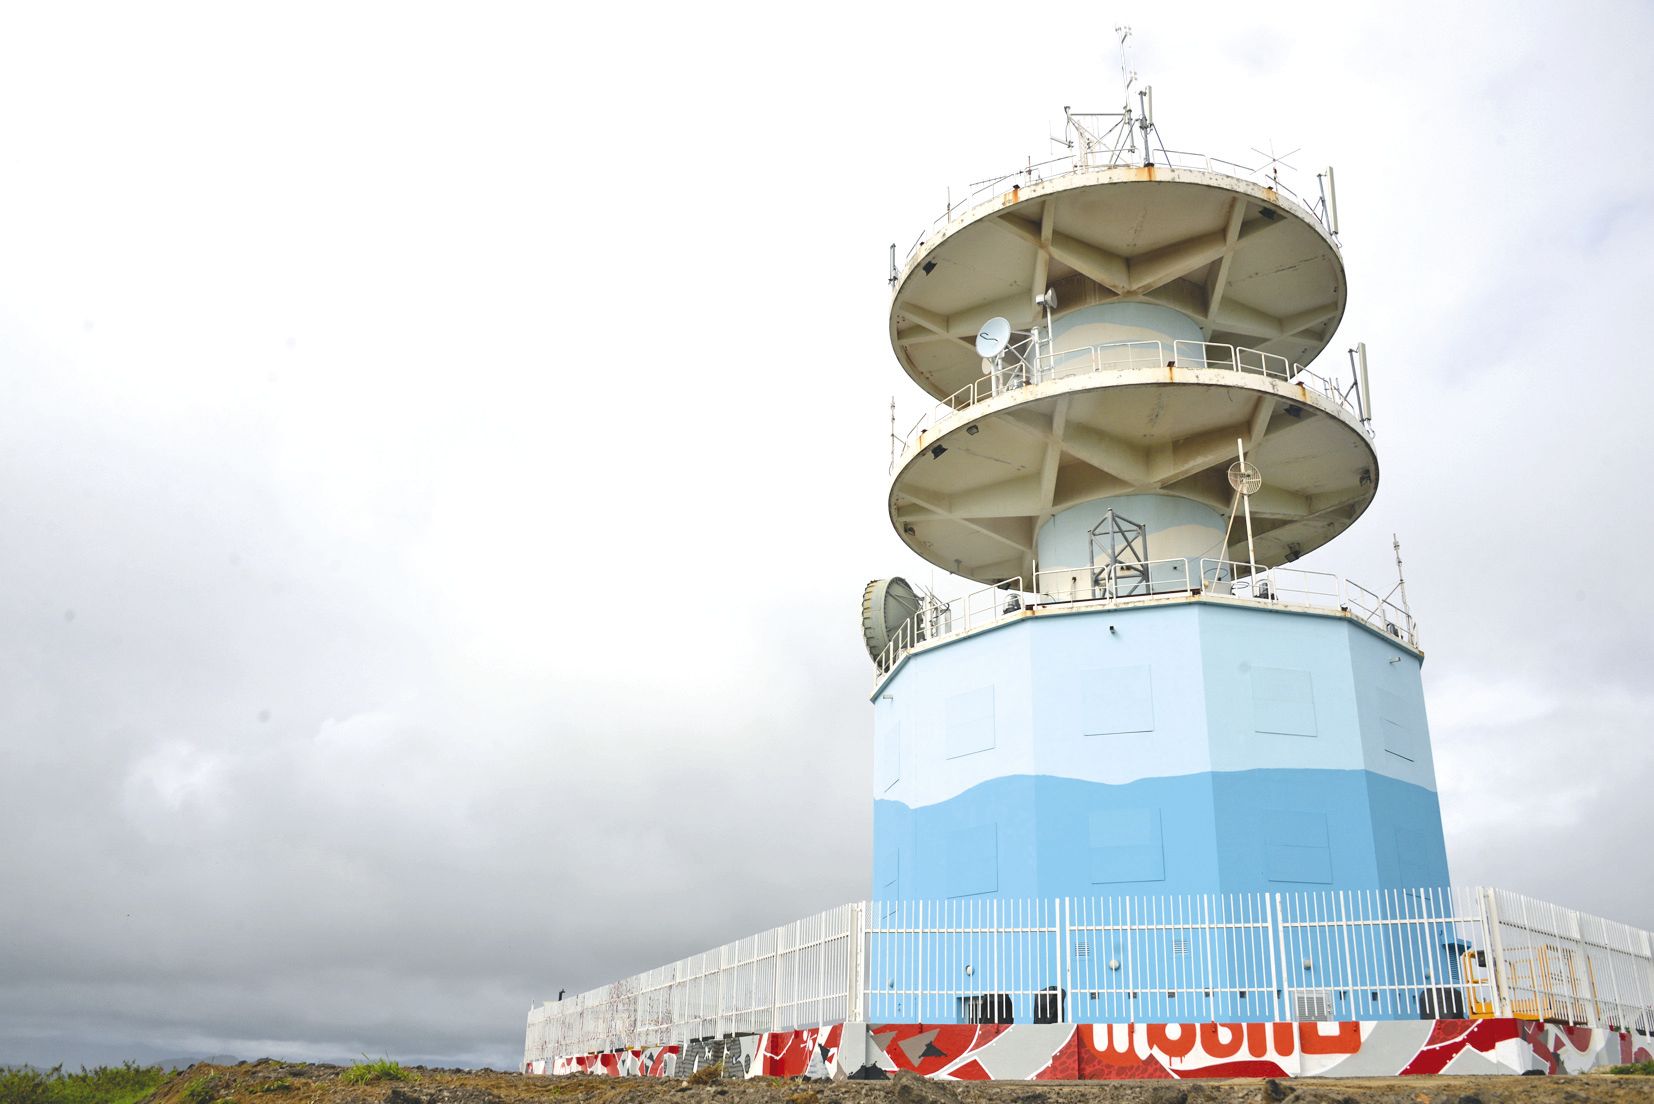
[{"x": 1133, "y": 440}]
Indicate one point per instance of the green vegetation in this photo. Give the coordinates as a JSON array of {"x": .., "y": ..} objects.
[
  {"x": 200, "y": 1090},
  {"x": 1644, "y": 1069},
  {"x": 381, "y": 1070},
  {"x": 280, "y": 1084},
  {"x": 124, "y": 1084}
]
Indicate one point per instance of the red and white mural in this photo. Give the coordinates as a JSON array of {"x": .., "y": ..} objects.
[
  {"x": 1094, "y": 1052},
  {"x": 1105, "y": 1052},
  {"x": 635, "y": 1062}
]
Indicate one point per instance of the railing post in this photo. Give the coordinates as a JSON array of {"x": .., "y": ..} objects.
[
  {"x": 919, "y": 973},
  {"x": 1349, "y": 955},
  {"x": 1645, "y": 999},
  {"x": 775, "y": 978},
  {"x": 1496, "y": 951},
  {"x": 821, "y": 973},
  {"x": 1269, "y": 955},
  {"x": 871, "y": 919},
  {"x": 1613, "y": 975},
  {"x": 1287, "y": 1012},
  {"x": 993, "y": 944},
  {"x": 1065, "y": 946},
  {"x": 1590, "y": 972}
]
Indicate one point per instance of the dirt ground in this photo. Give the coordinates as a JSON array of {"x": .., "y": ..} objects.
[{"x": 271, "y": 1082}]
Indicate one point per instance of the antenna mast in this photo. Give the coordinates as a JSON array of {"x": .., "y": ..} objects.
[
  {"x": 1401, "y": 579},
  {"x": 1145, "y": 100},
  {"x": 1128, "y": 77},
  {"x": 893, "y": 433}
]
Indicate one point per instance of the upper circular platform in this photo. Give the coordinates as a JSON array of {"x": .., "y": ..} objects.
[{"x": 1244, "y": 262}]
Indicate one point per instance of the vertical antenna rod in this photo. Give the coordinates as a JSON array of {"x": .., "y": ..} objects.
[
  {"x": 1145, "y": 100},
  {"x": 893, "y": 432},
  {"x": 1401, "y": 579},
  {"x": 1246, "y": 505},
  {"x": 1128, "y": 77},
  {"x": 1329, "y": 199},
  {"x": 1358, "y": 369}
]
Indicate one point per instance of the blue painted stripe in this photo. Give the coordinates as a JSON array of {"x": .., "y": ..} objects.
[{"x": 1262, "y": 830}]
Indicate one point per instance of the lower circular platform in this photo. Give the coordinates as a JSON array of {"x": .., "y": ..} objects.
[{"x": 973, "y": 489}]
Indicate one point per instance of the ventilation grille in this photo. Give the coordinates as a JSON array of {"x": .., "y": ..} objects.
[{"x": 1312, "y": 1004}]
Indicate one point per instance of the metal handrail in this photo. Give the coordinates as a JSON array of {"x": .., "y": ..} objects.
[
  {"x": 1275, "y": 584},
  {"x": 1069, "y": 165},
  {"x": 1125, "y": 583},
  {"x": 939, "y": 620},
  {"x": 1123, "y": 356}
]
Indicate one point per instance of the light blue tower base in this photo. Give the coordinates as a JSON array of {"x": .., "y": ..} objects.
[{"x": 1194, "y": 746}]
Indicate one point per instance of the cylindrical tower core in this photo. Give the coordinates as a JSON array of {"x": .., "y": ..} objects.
[
  {"x": 1076, "y": 541},
  {"x": 1107, "y": 323}
]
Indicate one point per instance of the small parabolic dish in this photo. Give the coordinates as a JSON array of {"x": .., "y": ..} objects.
[
  {"x": 990, "y": 342},
  {"x": 886, "y": 604}
]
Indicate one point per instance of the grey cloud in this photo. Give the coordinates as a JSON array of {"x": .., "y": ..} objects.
[{"x": 497, "y": 634}]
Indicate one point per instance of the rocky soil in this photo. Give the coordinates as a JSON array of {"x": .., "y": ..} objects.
[{"x": 271, "y": 1082}]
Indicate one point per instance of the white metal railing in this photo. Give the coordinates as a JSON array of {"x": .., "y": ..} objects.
[
  {"x": 1056, "y": 168},
  {"x": 1431, "y": 953},
  {"x": 940, "y": 620},
  {"x": 1042, "y": 365},
  {"x": 796, "y": 975},
  {"x": 1554, "y": 963},
  {"x": 1113, "y": 582},
  {"x": 1127, "y": 582}
]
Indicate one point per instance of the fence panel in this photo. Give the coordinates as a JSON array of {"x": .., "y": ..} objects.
[{"x": 1329, "y": 955}]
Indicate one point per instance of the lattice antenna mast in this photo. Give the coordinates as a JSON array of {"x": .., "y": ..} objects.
[
  {"x": 1128, "y": 75},
  {"x": 1111, "y": 137},
  {"x": 1106, "y": 138}
]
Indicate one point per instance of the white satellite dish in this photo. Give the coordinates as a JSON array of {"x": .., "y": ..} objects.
[
  {"x": 991, "y": 341},
  {"x": 886, "y": 605}
]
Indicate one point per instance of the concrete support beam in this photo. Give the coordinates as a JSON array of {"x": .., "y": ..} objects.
[
  {"x": 1241, "y": 318},
  {"x": 1050, "y": 462},
  {"x": 1000, "y": 533},
  {"x": 1183, "y": 458},
  {"x": 1107, "y": 269},
  {"x": 1219, "y": 279},
  {"x": 1162, "y": 266}
]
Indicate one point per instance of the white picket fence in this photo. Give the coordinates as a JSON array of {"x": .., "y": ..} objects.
[{"x": 1335, "y": 955}]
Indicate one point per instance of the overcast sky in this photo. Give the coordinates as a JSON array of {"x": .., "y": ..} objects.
[{"x": 441, "y": 451}]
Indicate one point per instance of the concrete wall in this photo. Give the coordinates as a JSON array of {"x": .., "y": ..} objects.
[
  {"x": 1186, "y": 748},
  {"x": 1179, "y": 1051}
]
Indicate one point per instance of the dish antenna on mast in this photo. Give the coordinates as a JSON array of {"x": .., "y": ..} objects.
[
  {"x": 990, "y": 341},
  {"x": 1246, "y": 479}
]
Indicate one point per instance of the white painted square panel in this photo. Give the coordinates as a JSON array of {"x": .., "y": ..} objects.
[
  {"x": 970, "y": 722},
  {"x": 1283, "y": 701},
  {"x": 1117, "y": 700}
]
